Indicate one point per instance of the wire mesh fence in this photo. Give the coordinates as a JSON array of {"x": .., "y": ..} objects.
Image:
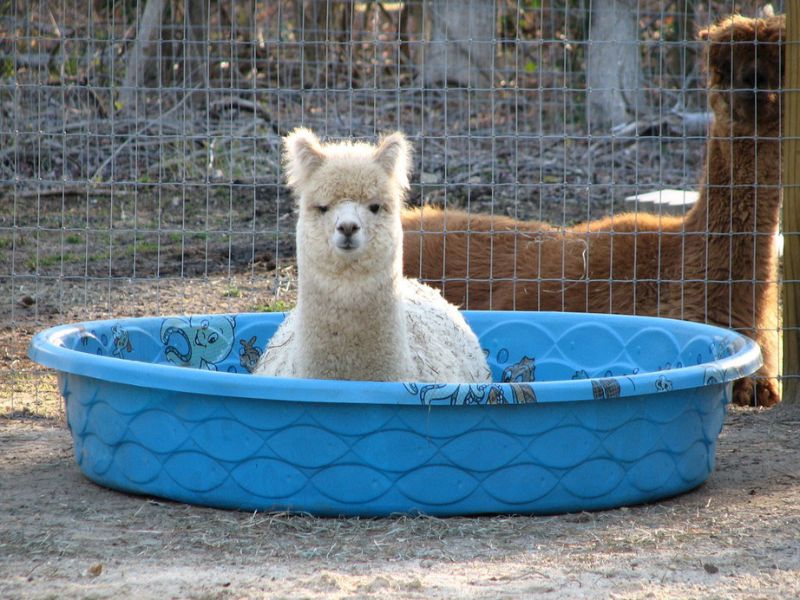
[{"x": 140, "y": 166}]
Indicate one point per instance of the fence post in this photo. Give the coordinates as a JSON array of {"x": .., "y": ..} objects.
[{"x": 791, "y": 206}]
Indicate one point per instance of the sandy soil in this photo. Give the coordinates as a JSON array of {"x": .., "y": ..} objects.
[{"x": 737, "y": 536}]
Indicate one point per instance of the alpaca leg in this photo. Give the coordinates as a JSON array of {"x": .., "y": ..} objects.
[
  {"x": 744, "y": 392},
  {"x": 756, "y": 391},
  {"x": 768, "y": 392}
]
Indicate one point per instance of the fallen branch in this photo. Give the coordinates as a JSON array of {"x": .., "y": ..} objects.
[{"x": 217, "y": 107}]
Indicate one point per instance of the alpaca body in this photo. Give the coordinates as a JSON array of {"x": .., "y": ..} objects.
[
  {"x": 357, "y": 317},
  {"x": 361, "y": 353},
  {"x": 717, "y": 264}
]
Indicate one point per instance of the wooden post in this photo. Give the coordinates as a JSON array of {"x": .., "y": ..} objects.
[{"x": 791, "y": 206}]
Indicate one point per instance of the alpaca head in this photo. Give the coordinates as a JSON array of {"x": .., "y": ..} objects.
[
  {"x": 350, "y": 196},
  {"x": 746, "y": 65}
]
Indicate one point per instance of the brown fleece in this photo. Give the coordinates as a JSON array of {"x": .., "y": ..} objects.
[{"x": 717, "y": 264}]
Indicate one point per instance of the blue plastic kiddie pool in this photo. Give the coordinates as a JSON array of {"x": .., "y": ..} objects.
[{"x": 587, "y": 412}]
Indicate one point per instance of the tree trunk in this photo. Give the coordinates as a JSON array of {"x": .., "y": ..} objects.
[
  {"x": 461, "y": 48},
  {"x": 196, "y": 51},
  {"x": 141, "y": 53},
  {"x": 314, "y": 22},
  {"x": 613, "y": 77}
]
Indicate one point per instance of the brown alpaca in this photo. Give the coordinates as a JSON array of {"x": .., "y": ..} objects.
[{"x": 717, "y": 264}]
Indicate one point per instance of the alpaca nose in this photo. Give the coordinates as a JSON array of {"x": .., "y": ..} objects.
[{"x": 348, "y": 228}]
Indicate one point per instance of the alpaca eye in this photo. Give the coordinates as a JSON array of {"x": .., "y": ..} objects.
[
  {"x": 322, "y": 209},
  {"x": 374, "y": 208}
]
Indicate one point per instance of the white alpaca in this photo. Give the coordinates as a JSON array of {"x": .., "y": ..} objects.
[{"x": 357, "y": 317}]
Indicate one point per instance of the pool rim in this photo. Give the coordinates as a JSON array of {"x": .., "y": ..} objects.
[{"x": 45, "y": 349}]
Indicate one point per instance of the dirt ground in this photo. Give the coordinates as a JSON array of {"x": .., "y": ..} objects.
[
  {"x": 737, "y": 536},
  {"x": 61, "y": 536}
]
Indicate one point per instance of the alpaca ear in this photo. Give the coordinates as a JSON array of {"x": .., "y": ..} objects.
[
  {"x": 303, "y": 155},
  {"x": 719, "y": 38},
  {"x": 774, "y": 30},
  {"x": 717, "y": 56},
  {"x": 392, "y": 154}
]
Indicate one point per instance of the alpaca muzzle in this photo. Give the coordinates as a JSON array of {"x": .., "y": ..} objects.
[{"x": 349, "y": 234}]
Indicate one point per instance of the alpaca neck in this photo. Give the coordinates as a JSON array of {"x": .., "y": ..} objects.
[
  {"x": 740, "y": 195},
  {"x": 741, "y": 188},
  {"x": 730, "y": 232},
  {"x": 352, "y": 324}
]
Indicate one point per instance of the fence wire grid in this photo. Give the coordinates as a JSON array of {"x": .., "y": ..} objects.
[{"x": 140, "y": 140}]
